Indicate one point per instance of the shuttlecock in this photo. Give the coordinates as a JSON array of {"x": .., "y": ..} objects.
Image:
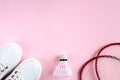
[{"x": 63, "y": 68}]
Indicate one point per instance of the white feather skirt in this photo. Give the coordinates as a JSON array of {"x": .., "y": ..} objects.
[{"x": 63, "y": 69}]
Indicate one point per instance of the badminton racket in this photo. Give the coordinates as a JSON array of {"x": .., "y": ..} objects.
[
  {"x": 87, "y": 71},
  {"x": 105, "y": 66},
  {"x": 108, "y": 69}
]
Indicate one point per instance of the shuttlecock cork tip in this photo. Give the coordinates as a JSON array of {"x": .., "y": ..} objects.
[{"x": 63, "y": 57}]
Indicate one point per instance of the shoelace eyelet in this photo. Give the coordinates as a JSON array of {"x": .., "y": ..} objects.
[
  {"x": 12, "y": 76},
  {"x": 2, "y": 70},
  {"x": 6, "y": 67},
  {"x": 2, "y": 67},
  {"x": 16, "y": 72},
  {"x": 15, "y": 76}
]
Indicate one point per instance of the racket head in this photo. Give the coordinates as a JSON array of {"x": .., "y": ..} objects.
[
  {"x": 112, "y": 49},
  {"x": 87, "y": 71}
]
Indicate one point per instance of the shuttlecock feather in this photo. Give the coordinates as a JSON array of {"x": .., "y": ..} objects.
[{"x": 63, "y": 67}]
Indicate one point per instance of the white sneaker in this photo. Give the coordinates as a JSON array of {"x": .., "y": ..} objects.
[
  {"x": 10, "y": 56},
  {"x": 29, "y": 69}
]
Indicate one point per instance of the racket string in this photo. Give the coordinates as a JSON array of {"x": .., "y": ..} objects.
[{"x": 106, "y": 65}]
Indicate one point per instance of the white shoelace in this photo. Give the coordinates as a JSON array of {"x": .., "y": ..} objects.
[
  {"x": 15, "y": 76},
  {"x": 3, "y": 67}
]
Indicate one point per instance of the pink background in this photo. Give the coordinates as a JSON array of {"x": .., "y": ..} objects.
[{"x": 44, "y": 28}]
